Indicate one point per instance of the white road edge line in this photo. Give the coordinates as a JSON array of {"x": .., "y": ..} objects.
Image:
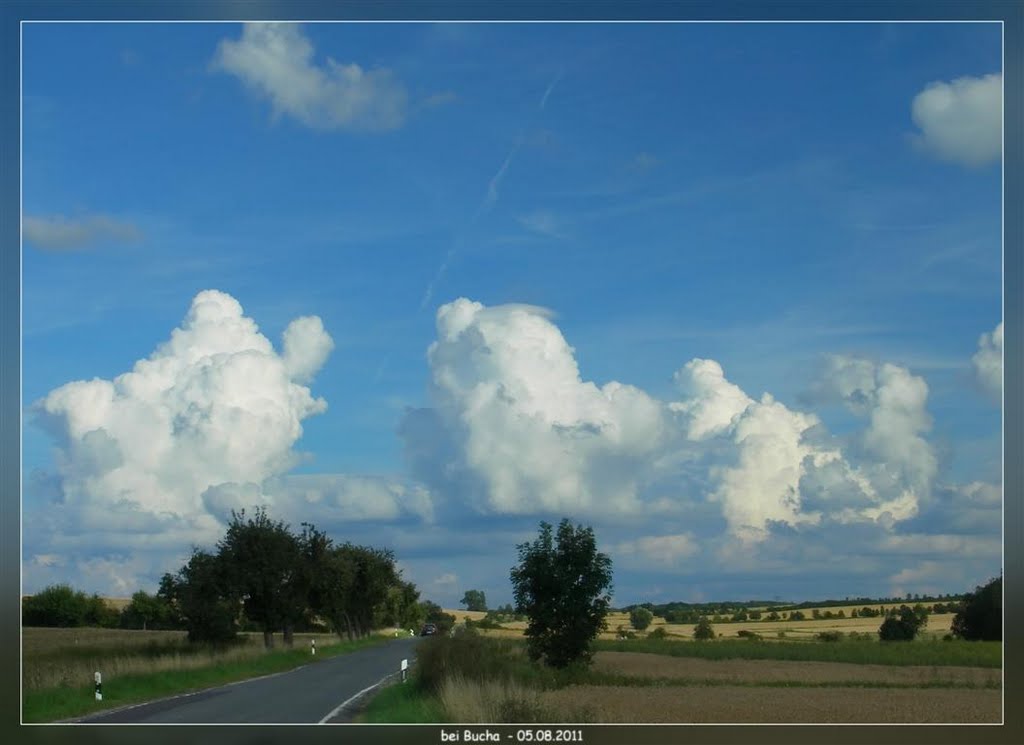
[{"x": 337, "y": 709}]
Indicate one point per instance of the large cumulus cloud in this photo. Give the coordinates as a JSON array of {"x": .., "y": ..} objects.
[
  {"x": 519, "y": 419},
  {"x": 155, "y": 459}
]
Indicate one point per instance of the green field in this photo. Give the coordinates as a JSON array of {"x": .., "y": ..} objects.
[{"x": 956, "y": 652}]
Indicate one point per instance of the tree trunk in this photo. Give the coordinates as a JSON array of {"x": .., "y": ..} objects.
[
  {"x": 268, "y": 639},
  {"x": 289, "y": 635},
  {"x": 348, "y": 627}
]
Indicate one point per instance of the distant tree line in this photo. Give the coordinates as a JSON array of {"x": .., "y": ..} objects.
[{"x": 261, "y": 577}]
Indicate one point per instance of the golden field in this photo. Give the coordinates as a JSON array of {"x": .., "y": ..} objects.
[{"x": 938, "y": 625}]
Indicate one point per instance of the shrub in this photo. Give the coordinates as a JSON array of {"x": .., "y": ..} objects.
[
  {"x": 658, "y": 633},
  {"x": 703, "y": 630},
  {"x": 623, "y": 633},
  {"x": 902, "y": 627},
  {"x": 640, "y": 618},
  {"x": 829, "y": 636},
  {"x": 748, "y": 634},
  {"x": 468, "y": 655}
]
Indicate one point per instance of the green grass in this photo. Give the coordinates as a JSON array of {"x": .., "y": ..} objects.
[
  {"x": 957, "y": 653},
  {"x": 64, "y": 702},
  {"x": 591, "y": 677},
  {"x": 403, "y": 703}
]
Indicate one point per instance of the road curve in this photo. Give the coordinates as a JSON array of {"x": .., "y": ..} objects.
[{"x": 319, "y": 692}]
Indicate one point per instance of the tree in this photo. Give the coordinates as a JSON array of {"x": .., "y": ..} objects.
[
  {"x": 563, "y": 585},
  {"x": 703, "y": 630},
  {"x": 204, "y": 597},
  {"x": 640, "y": 618},
  {"x": 56, "y": 605},
  {"x": 474, "y": 600},
  {"x": 980, "y": 616},
  {"x": 902, "y": 627},
  {"x": 147, "y": 611}
]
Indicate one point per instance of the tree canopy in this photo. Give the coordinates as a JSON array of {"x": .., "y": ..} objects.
[
  {"x": 563, "y": 585},
  {"x": 980, "y": 616},
  {"x": 474, "y": 600}
]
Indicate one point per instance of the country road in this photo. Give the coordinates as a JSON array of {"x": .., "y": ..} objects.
[{"x": 320, "y": 692}]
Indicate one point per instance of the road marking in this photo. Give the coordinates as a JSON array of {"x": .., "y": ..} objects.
[{"x": 337, "y": 709}]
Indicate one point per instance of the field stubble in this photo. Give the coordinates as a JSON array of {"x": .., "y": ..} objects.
[{"x": 738, "y": 704}]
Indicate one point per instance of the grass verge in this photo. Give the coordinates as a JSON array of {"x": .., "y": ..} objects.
[
  {"x": 66, "y": 701},
  {"x": 403, "y": 703}
]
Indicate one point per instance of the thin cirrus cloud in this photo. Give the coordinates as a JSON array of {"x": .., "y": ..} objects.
[
  {"x": 275, "y": 60},
  {"x": 961, "y": 121},
  {"x": 60, "y": 233}
]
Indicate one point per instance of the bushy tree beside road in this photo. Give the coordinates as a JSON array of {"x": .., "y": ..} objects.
[{"x": 563, "y": 585}]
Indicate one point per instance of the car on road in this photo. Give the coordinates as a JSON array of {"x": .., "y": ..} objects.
[{"x": 428, "y": 629}]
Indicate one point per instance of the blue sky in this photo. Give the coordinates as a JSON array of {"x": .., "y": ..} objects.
[{"x": 570, "y": 214}]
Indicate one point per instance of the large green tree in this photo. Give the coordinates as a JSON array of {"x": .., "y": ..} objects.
[
  {"x": 474, "y": 600},
  {"x": 980, "y": 616},
  {"x": 263, "y": 560},
  {"x": 203, "y": 595},
  {"x": 563, "y": 584}
]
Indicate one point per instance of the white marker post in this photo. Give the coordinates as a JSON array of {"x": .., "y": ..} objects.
[
  {"x": 99, "y": 685},
  {"x": 312, "y": 646},
  {"x": 405, "y": 668}
]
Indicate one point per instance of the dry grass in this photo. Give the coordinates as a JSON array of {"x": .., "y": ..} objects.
[
  {"x": 489, "y": 701},
  {"x": 746, "y": 704},
  {"x": 51, "y": 672},
  {"x": 55, "y": 657},
  {"x": 785, "y": 671}
]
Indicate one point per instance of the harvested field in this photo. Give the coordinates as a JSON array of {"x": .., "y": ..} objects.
[
  {"x": 784, "y": 671},
  {"x": 938, "y": 625},
  {"x": 736, "y": 704}
]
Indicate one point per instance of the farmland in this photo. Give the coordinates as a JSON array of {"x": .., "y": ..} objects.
[{"x": 796, "y": 678}]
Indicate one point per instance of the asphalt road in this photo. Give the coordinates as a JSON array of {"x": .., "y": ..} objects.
[{"x": 321, "y": 692}]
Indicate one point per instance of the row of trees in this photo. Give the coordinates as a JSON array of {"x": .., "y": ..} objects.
[
  {"x": 261, "y": 576},
  {"x": 281, "y": 580}
]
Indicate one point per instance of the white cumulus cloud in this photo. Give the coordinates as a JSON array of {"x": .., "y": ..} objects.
[
  {"x": 276, "y": 61},
  {"x": 215, "y": 404},
  {"x": 961, "y": 121},
  {"x": 988, "y": 362},
  {"x": 520, "y": 419}
]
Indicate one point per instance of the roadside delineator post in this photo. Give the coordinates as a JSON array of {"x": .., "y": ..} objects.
[
  {"x": 405, "y": 669},
  {"x": 99, "y": 685},
  {"x": 312, "y": 646}
]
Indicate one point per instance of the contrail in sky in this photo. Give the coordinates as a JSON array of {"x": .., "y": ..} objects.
[
  {"x": 551, "y": 87},
  {"x": 489, "y": 200}
]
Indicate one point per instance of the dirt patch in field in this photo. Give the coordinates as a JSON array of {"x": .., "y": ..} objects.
[
  {"x": 743, "y": 704},
  {"x": 761, "y": 671}
]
